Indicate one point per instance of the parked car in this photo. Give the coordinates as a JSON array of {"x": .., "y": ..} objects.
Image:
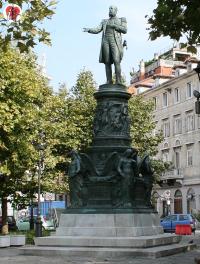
[
  {"x": 23, "y": 224},
  {"x": 169, "y": 222},
  {"x": 11, "y": 223}
]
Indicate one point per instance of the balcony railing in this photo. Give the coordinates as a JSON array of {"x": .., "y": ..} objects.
[{"x": 172, "y": 174}]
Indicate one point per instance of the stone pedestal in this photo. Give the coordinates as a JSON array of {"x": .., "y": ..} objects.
[
  {"x": 108, "y": 236},
  {"x": 109, "y": 225},
  {"x": 108, "y": 231}
]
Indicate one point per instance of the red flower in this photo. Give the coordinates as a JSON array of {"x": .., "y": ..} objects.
[{"x": 12, "y": 12}]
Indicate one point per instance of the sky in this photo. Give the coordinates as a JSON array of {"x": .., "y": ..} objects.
[{"x": 73, "y": 50}]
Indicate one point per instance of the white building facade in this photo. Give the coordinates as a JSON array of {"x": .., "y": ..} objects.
[{"x": 175, "y": 116}]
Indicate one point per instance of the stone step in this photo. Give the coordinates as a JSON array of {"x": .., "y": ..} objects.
[
  {"x": 89, "y": 241},
  {"x": 99, "y": 252}
]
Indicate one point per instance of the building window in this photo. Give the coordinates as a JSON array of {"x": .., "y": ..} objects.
[
  {"x": 189, "y": 156},
  {"x": 176, "y": 95},
  {"x": 155, "y": 102},
  {"x": 165, "y": 100},
  {"x": 177, "y": 159},
  {"x": 190, "y": 121},
  {"x": 177, "y": 125},
  {"x": 165, "y": 155},
  {"x": 177, "y": 143},
  {"x": 189, "y": 90},
  {"x": 166, "y": 146},
  {"x": 166, "y": 128}
]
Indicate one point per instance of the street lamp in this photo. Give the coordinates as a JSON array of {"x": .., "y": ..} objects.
[
  {"x": 40, "y": 147},
  {"x": 196, "y": 93}
]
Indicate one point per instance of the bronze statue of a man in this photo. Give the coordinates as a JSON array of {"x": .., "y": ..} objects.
[{"x": 111, "y": 45}]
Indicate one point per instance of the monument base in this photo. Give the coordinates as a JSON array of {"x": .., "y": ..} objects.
[
  {"x": 108, "y": 235},
  {"x": 109, "y": 225}
]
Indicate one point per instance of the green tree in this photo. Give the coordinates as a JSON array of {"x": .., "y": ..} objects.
[
  {"x": 142, "y": 127},
  {"x": 22, "y": 91},
  {"x": 29, "y": 107},
  {"x": 176, "y": 18},
  {"x": 28, "y": 31},
  {"x": 67, "y": 119},
  {"x": 83, "y": 107}
]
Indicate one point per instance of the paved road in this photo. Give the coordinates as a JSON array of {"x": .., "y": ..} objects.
[{"x": 12, "y": 256}]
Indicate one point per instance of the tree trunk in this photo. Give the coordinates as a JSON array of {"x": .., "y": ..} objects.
[{"x": 4, "y": 230}]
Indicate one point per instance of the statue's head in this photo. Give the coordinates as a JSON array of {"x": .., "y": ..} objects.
[
  {"x": 73, "y": 153},
  {"x": 131, "y": 153},
  {"x": 112, "y": 11},
  {"x": 128, "y": 153}
]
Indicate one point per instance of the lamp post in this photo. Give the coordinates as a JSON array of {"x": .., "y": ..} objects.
[
  {"x": 40, "y": 147},
  {"x": 196, "y": 93}
]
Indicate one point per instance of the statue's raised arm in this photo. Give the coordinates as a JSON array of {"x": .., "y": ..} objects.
[
  {"x": 94, "y": 30},
  {"x": 86, "y": 29},
  {"x": 111, "y": 46}
]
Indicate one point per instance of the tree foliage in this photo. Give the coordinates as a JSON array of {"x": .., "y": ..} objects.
[
  {"x": 28, "y": 106},
  {"x": 22, "y": 91},
  {"x": 67, "y": 119},
  {"x": 176, "y": 18},
  {"x": 83, "y": 107},
  {"x": 28, "y": 30},
  {"x": 142, "y": 132}
]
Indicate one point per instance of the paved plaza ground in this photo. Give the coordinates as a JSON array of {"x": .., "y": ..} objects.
[{"x": 12, "y": 256}]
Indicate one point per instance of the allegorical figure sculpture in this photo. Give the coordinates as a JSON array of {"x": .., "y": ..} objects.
[
  {"x": 147, "y": 172},
  {"x": 111, "y": 45},
  {"x": 75, "y": 179},
  {"x": 127, "y": 168}
]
